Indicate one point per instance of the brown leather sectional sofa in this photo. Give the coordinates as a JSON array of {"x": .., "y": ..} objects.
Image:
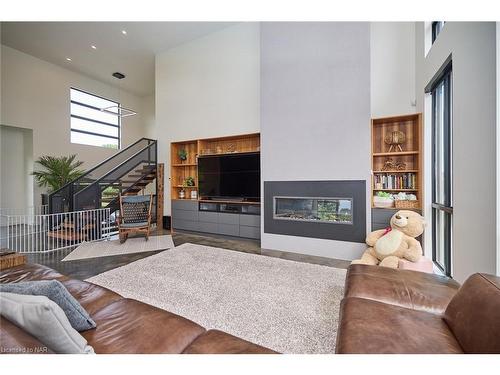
[
  {"x": 398, "y": 311},
  {"x": 123, "y": 325},
  {"x": 383, "y": 311}
]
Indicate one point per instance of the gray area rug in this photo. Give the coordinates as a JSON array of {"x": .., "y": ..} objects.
[
  {"x": 138, "y": 244},
  {"x": 288, "y": 306}
]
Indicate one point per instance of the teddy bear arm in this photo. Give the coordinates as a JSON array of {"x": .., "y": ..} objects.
[
  {"x": 414, "y": 251},
  {"x": 374, "y": 236}
]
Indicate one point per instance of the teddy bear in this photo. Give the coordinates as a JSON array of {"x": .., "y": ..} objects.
[{"x": 387, "y": 246}]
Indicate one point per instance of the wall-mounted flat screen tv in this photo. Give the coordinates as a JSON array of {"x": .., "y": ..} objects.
[{"x": 230, "y": 176}]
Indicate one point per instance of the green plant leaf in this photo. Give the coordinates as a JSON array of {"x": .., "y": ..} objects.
[{"x": 56, "y": 171}]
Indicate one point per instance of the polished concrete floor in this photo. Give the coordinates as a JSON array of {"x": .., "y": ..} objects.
[{"x": 85, "y": 268}]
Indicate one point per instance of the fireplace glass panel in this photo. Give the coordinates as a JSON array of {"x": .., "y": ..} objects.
[{"x": 324, "y": 210}]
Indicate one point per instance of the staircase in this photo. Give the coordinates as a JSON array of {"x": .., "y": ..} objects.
[{"x": 131, "y": 171}]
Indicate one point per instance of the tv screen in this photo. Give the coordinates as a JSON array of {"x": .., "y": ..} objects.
[{"x": 229, "y": 176}]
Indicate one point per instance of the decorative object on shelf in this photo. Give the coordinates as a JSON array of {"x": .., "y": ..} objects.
[
  {"x": 183, "y": 154},
  {"x": 383, "y": 200},
  {"x": 207, "y": 151},
  {"x": 387, "y": 246},
  {"x": 395, "y": 181},
  {"x": 395, "y": 139},
  {"x": 231, "y": 147},
  {"x": 194, "y": 194},
  {"x": 188, "y": 181},
  {"x": 406, "y": 201},
  {"x": 218, "y": 150},
  {"x": 391, "y": 165},
  {"x": 182, "y": 194}
]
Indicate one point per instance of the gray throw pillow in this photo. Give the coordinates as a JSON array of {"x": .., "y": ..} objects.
[
  {"x": 44, "y": 319},
  {"x": 55, "y": 291}
]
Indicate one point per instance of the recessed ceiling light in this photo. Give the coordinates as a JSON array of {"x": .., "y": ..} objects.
[
  {"x": 93, "y": 47},
  {"x": 68, "y": 59},
  {"x": 124, "y": 32}
]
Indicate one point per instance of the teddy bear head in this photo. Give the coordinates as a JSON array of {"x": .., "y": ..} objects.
[{"x": 408, "y": 222}]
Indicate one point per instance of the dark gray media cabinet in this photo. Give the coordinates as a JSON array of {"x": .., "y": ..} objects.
[{"x": 236, "y": 219}]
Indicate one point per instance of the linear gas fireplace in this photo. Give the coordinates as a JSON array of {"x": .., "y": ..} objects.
[{"x": 320, "y": 209}]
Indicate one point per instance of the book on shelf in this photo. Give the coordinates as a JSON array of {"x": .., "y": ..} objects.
[{"x": 395, "y": 181}]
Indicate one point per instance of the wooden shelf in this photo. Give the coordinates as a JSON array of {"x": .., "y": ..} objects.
[
  {"x": 402, "y": 171},
  {"x": 227, "y": 153},
  {"x": 408, "y": 157},
  {"x": 399, "y": 153},
  {"x": 185, "y": 165},
  {"x": 185, "y": 187},
  {"x": 395, "y": 189}
]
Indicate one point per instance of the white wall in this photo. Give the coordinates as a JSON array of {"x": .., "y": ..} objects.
[
  {"x": 392, "y": 68},
  {"x": 315, "y": 114},
  {"x": 473, "y": 49},
  {"x": 207, "y": 88},
  {"x": 16, "y": 158},
  {"x": 148, "y": 107},
  {"x": 35, "y": 95}
]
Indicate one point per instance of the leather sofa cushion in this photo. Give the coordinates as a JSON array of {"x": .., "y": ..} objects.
[
  {"x": 15, "y": 340},
  {"x": 128, "y": 326},
  {"x": 218, "y": 342},
  {"x": 372, "y": 327},
  {"x": 31, "y": 271},
  {"x": 92, "y": 297},
  {"x": 474, "y": 314},
  {"x": 411, "y": 289}
]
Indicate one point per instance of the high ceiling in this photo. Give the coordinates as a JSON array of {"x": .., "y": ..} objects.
[{"x": 132, "y": 54}]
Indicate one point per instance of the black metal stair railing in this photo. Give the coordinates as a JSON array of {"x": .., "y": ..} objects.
[{"x": 130, "y": 170}]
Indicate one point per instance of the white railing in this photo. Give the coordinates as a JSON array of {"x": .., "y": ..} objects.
[{"x": 48, "y": 232}]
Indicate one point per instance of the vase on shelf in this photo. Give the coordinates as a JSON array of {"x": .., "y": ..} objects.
[{"x": 182, "y": 194}]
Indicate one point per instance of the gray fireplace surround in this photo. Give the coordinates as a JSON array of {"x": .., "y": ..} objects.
[{"x": 334, "y": 210}]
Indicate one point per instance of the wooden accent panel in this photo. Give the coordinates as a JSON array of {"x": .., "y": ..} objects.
[
  {"x": 11, "y": 260},
  {"x": 411, "y": 156},
  {"x": 229, "y": 145},
  {"x": 160, "y": 175}
]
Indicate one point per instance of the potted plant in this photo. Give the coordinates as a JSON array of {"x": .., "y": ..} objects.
[
  {"x": 383, "y": 199},
  {"x": 183, "y": 154},
  {"x": 189, "y": 181},
  {"x": 56, "y": 172}
]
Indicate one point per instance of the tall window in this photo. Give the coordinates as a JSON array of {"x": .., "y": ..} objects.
[
  {"x": 437, "y": 26},
  {"x": 442, "y": 195},
  {"x": 91, "y": 126}
]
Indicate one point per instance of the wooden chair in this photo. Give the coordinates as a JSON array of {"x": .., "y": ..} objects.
[{"x": 135, "y": 215}]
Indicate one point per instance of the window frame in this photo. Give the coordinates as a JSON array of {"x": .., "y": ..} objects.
[
  {"x": 445, "y": 78},
  {"x": 437, "y": 27},
  {"x": 119, "y": 126}
]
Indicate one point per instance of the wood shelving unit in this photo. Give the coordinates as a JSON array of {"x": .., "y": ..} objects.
[
  {"x": 180, "y": 170},
  {"x": 409, "y": 158}
]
